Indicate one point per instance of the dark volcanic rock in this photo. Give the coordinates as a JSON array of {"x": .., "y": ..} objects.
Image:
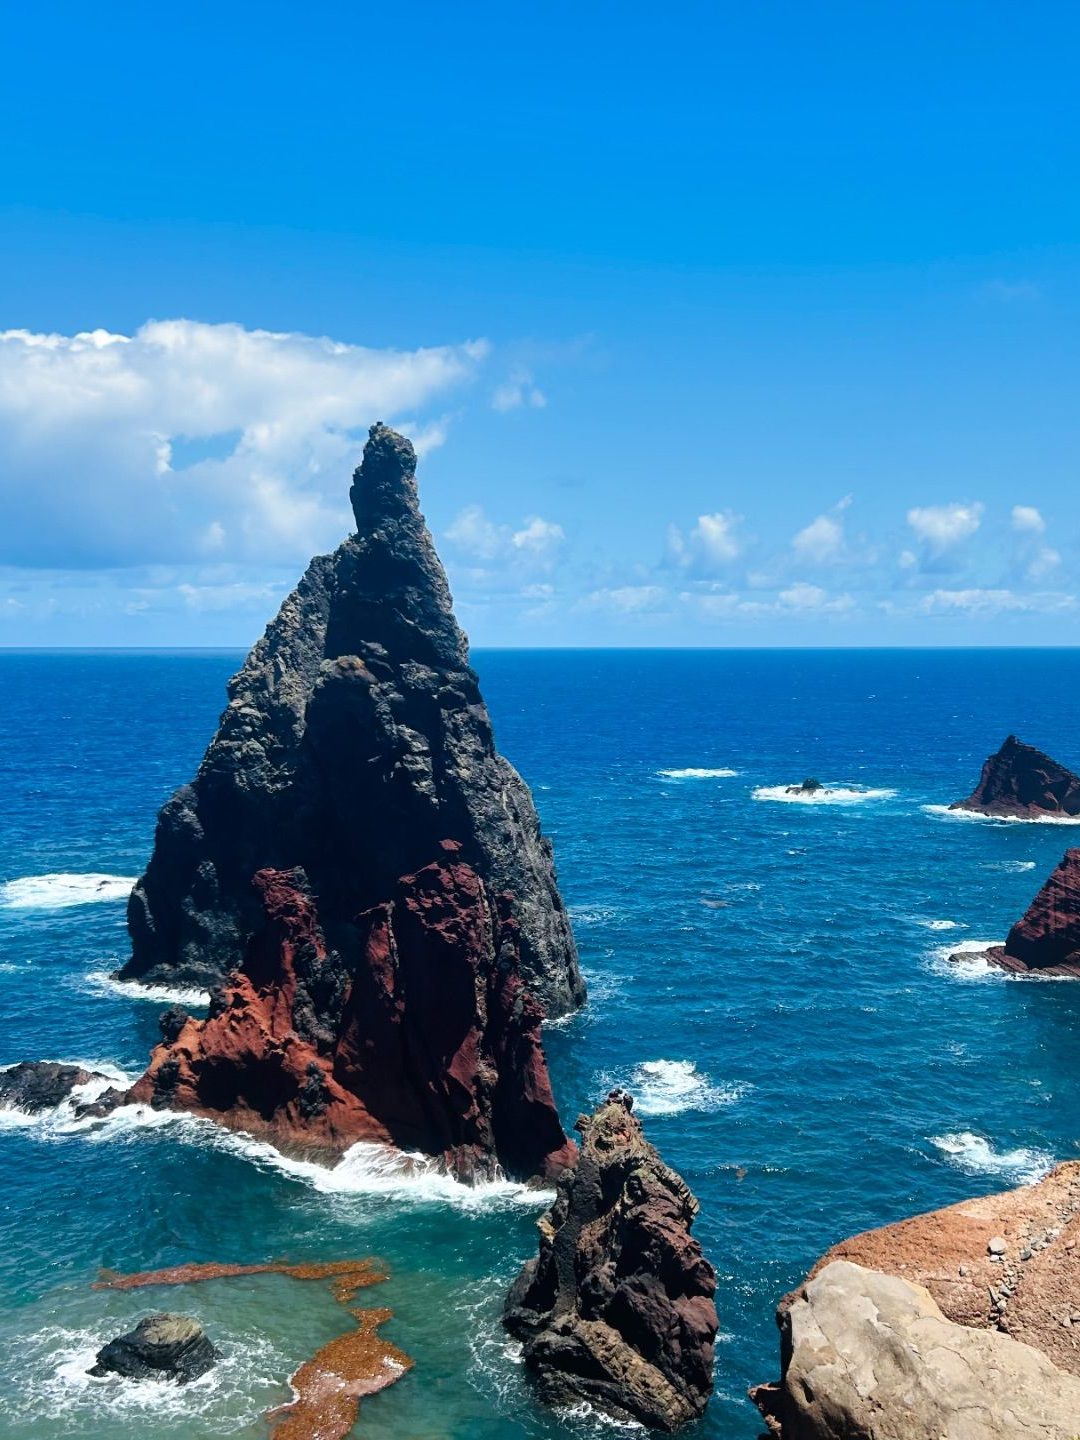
[
  {"x": 618, "y": 1308},
  {"x": 37, "y": 1085},
  {"x": 354, "y": 741},
  {"x": 161, "y": 1347},
  {"x": 1047, "y": 940},
  {"x": 1023, "y": 783},
  {"x": 422, "y": 1035}
]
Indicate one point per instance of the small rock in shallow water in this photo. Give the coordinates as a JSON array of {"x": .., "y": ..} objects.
[{"x": 161, "y": 1347}]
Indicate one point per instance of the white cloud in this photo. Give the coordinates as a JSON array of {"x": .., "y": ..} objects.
[
  {"x": 711, "y": 545},
  {"x": 535, "y": 546},
  {"x": 237, "y": 595},
  {"x": 801, "y": 596},
  {"x": 626, "y": 599},
  {"x": 539, "y": 538},
  {"x": 821, "y": 540},
  {"x": 475, "y": 535},
  {"x": 517, "y": 391},
  {"x": 187, "y": 437},
  {"x": 1026, "y": 520},
  {"x": 994, "y": 602},
  {"x": 940, "y": 527},
  {"x": 1045, "y": 560}
]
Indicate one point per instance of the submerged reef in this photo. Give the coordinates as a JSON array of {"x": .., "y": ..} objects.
[{"x": 617, "y": 1310}]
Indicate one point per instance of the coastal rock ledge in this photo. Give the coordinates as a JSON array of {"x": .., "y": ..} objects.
[
  {"x": 355, "y": 740},
  {"x": 618, "y": 1310},
  {"x": 1046, "y": 941},
  {"x": 1021, "y": 783},
  {"x": 964, "y": 1322}
]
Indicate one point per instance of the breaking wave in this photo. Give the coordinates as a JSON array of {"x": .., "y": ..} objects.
[
  {"x": 971, "y": 964},
  {"x": 945, "y": 813},
  {"x": 57, "y": 892},
  {"x": 101, "y": 982},
  {"x": 827, "y": 795},
  {"x": 937, "y": 924},
  {"x": 670, "y": 1087},
  {"x": 975, "y": 1155},
  {"x": 1015, "y": 867},
  {"x": 695, "y": 773}
]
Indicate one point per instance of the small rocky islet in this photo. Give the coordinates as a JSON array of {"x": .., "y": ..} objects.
[{"x": 361, "y": 880}]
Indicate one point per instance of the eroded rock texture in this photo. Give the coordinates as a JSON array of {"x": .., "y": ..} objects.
[
  {"x": 420, "y": 1035},
  {"x": 618, "y": 1308},
  {"x": 1046, "y": 941},
  {"x": 35, "y": 1085},
  {"x": 354, "y": 741},
  {"x": 871, "y": 1357},
  {"x": 1008, "y": 1264},
  {"x": 161, "y": 1347},
  {"x": 1023, "y": 783}
]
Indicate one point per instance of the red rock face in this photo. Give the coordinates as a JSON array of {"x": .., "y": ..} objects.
[
  {"x": 1022, "y": 783},
  {"x": 423, "y": 1037},
  {"x": 1047, "y": 939}
]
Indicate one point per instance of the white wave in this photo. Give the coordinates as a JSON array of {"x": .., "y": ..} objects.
[
  {"x": 53, "y": 1363},
  {"x": 364, "y": 1169},
  {"x": 937, "y": 924},
  {"x": 946, "y": 813},
  {"x": 965, "y": 960},
  {"x": 57, "y": 892},
  {"x": 1013, "y": 866},
  {"x": 592, "y": 914},
  {"x": 670, "y": 1087},
  {"x": 827, "y": 795},
  {"x": 100, "y": 982},
  {"x": 695, "y": 773},
  {"x": 975, "y": 1155}
]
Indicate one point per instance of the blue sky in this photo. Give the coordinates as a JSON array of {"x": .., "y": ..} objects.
[{"x": 715, "y": 324}]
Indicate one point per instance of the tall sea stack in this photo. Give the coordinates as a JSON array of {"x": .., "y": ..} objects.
[{"x": 355, "y": 741}]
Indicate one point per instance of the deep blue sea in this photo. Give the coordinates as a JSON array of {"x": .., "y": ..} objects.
[{"x": 765, "y": 976}]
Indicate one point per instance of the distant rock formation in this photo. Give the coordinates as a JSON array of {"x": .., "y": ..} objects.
[
  {"x": 161, "y": 1347},
  {"x": 1046, "y": 941},
  {"x": 857, "y": 1352},
  {"x": 354, "y": 741},
  {"x": 618, "y": 1308},
  {"x": 1020, "y": 782}
]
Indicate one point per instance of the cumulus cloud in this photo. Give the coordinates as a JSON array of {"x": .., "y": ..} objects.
[
  {"x": 940, "y": 527},
  {"x": 710, "y": 545},
  {"x": 994, "y": 602},
  {"x": 186, "y": 440},
  {"x": 823, "y": 539},
  {"x": 797, "y": 600},
  {"x": 534, "y": 546},
  {"x": 1026, "y": 520},
  {"x": 626, "y": 599}
]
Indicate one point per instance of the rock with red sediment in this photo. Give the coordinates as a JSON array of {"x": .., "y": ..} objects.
[
  {"x": 429, "y": 1042},
  {"x": 1046, "y": 941},
  {"x": 1009, "y": 1263},
  {"x": 1020, "y": 782},
  {"x": 618, "y": 1310}
]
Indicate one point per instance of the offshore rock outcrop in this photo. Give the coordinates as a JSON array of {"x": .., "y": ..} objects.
[
  {"x": 354, "y": 741},
  {"x": 36, "y": 1085},
  {"x": 427, "y": 1040},
  {"x": 1020, "y": 782},
  {"x": 857, "y": 1354},
  {"x": 1046, "y": 940},
  {"x": 618, "y": 1308},
  {"x": 161, "y": 1347}
]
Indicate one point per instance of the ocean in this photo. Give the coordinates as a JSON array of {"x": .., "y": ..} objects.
[{"x": 766, "y": 977}]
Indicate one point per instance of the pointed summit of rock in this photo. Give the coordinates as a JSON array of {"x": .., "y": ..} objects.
[
  {"x": 1021, "y": 782},
  {"x": 355, "y": 756}
]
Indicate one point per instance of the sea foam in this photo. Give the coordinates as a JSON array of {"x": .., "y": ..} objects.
[
  {"x": 964, "y": 960},
  {"x": 945, "y": 812},
  {"x": 696, "y": 773},
  {"x": 671, "y": 1087},
  {"x": 101, "y": 982},
  {"x": 57, "y": 892},
  {"x": 827, "y": 795},
  {"x": 975, "y": 1155}
]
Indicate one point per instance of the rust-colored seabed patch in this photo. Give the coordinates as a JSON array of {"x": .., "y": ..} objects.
[{"x": 328, "y": 1387}]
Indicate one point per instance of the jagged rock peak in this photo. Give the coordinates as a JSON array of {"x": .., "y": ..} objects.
[
  {"x": 618, "y": 1309},
  {"x": 355, "y": 741},
  {"x": 384, "y": 484},
  {"x": 1021, "y": 782},
  {"x": 1046, "y": 939}
]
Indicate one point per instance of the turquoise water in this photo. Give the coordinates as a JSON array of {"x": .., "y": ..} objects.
[{"x": 763, "y": 976}]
